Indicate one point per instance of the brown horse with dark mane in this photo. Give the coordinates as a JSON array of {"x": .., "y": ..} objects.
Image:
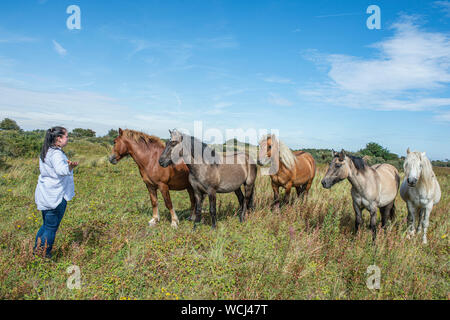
[
  {"x": 288, "y": 169},
  {"x": 146, "y": 150}
]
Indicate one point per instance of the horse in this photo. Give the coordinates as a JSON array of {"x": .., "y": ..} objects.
[
  {"x": 211, "y": 173},
  {"x": 145, "y": 151},
  {"x": 373, "y": 187},
  {"x": 420, "y": 190},
  {"x": 292, "y": 169}
]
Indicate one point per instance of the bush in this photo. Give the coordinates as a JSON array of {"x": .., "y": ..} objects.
[
  {"x": 20, "y": 143},
  {"x": 9, "y": 124}
]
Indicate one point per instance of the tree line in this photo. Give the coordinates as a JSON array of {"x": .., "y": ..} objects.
[{"x": 15, "y": 142}]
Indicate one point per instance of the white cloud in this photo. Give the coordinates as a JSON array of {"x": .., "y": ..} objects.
[
  {"x": 411, "y": 70},
  {"x": 59, "y": 49}
]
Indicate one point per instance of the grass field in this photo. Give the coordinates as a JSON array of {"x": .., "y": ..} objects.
[{"x": 307, "y": 250}]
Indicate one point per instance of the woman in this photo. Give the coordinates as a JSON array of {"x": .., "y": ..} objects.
[{"x": 55, "y": 186}]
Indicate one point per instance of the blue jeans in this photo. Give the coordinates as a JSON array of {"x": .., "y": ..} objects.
[{"x": 52, "y": 219}]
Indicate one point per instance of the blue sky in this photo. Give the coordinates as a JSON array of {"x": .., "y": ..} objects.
[{"x": 310, "y": 69}]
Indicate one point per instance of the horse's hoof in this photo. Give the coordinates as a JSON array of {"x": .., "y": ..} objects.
[
  {"x": 152, "y": 223},
  {"x": 174, "y": 224}
]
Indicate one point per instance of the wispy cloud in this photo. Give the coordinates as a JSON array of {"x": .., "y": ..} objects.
[
  {"x": 278, "y": 100},
  {"x": 42, "y": 109},
  {"x": 411, "y": 70},
  {"x": 444, "y": 6},
  {"x": 8, "y": 37},
  {"x": 276, "y": 79},
  {"x": 339, "y": 15},
  {"x": 59, "y": 49}
]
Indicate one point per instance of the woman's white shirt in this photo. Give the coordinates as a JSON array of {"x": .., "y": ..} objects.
[{"x": 55, "y": 181}]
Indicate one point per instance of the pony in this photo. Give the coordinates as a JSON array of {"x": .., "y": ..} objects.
[
  {"x": 292, "y": 169},
  {"x": 145, "y": 151},
  {"x": 211, "y": 173},
  {"x": 373, "y": 187},
  {"x": 420, "y": 190}
]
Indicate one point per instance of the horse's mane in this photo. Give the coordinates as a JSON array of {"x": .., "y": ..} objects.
[
  {"x": 193, "y": 144},
  {"x": 287, "y": 157},
  {"x": 358, "y": 162},
  {"x": 140, "y": 137},
  {"x": 427, "y": 173}
]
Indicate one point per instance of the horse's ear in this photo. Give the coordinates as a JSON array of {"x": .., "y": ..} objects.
[
  {"x": 170, "y": 131},
  {"x": 423, "y": 154},
  {"x": 342, "y": 155},
  {"x": 408, "y": 151},
  {"x": 120, "y": 131}
]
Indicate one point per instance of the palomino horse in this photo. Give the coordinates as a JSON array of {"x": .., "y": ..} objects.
[
  {"x": 420, "y": 190},
  {"x": 145, "y": 150},
  {"x": 211, "y": 173},
  {"x": 372, "y": 187},
  {"x": 292, "y": 169}
]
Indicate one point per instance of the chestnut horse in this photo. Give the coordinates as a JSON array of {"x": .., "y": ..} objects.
[
  {"x": 146, "y": 150},
  {"x": 292, "y": 169}
]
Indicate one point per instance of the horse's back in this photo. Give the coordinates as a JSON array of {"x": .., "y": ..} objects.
[
  {"x": 305, "y": 163},
  {"x": 389, "y": 180}
]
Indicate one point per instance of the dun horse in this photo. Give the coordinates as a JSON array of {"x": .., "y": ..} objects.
[
  {"x": 372, "y": 187},
  {"x": 146, "y": 150},
  {"x": 420, "y": 190},
  {"x": 211, "y": 173},
  {"x": 292, "y": 169}
]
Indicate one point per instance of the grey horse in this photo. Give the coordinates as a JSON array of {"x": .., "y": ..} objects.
[{"x": 211, "y": 173}]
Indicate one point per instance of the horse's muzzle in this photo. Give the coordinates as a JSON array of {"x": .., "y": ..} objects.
[
  {"x": 326, "y": 184},
  {"x": 112, "y": 159},
  {"x": 412, "y": 182},
  {"x": 164, "y": 163}
]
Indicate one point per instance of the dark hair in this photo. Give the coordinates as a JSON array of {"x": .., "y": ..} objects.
[
  {"x": 50, "y": 139},
  {"x": 358, "y": 162}
]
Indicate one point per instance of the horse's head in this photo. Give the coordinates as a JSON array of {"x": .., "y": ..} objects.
[
  {"x": 413, "y": 167},
  {"x": 267, "y": 147},
  {"x": 120, "y": 148},
  {"x": 173, "y": 151},
  {"x": 337, "y": 171}
]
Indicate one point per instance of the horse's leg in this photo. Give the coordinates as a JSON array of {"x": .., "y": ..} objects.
[
  {"x": 373, "y": 222},
  {"x": 154, "y": 199},
  {"x": 287, "y": 196},
  {"x": 168, "y": 202},
  {"x": 198, "y": 207},
  {"x": 240, "y": 197},
  {"x": 192, "y": 199},
  {"x": 212, "y": 207},
  {"x": 385, "y": 211},
  {"x": 276, "y": 195},
  {"x": 420, "y": 224},
  {"x": 411, "y": 220},
  {"x": 247, "y": 202},
  {"x": 425, "y": 222},
  {"x": 358, "y": 216},
  {"x": 251, "y": 202}
]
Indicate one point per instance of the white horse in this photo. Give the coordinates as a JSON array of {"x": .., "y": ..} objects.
[{"x": 420, "y": 190}]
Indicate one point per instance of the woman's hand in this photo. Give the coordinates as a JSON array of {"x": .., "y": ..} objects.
[{"x": 72, "y": 164}]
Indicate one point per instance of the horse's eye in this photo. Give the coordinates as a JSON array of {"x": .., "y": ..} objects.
[{"x": 269, "y": 147}]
